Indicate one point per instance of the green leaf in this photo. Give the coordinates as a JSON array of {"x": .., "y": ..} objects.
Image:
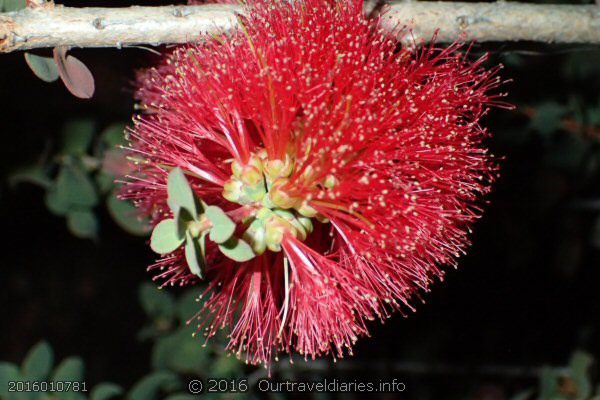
[
  {"x": 104, "y": 182},
  {"x": 55, "y": 202},
  {"x": 180, "y": 192},
  {"x": 114, "y": 135},
  {"x": 580, "y": 364},
  {"x": 195, "y": 254},
  {"x": 547, "y": 118},
  {"x": 183, "y": 218},
  {"x": 237, "y": 249},
  {"x": 548, "y": 383},
  {"x": 83, "y": 224},
  {"x": 70, "y": 369},
  {"x": 74, "y": 188},
  {"x": 182, "y": 396},
  {"x": 77, "y": 136},
  {"x": 13, "y": 5},
  {"x": 164, "y": 238},
  {"x": 188, "y": 304},
  {"x": 149, "y": 387},
  {"x": 43, "y": 67},
  {"x": 223, "y": 227},
  {"x": 181, "y": 352},
  {"x": 105, "y": 391},
  {"x": 38, "y": 362},
  {"x": 127, "y": 217},
  {"x": 226, "y": 366},
  {"x": 155, "y": 302},
  {"x": 35, "y": 174},
  {"x": 8, "y": 373}
]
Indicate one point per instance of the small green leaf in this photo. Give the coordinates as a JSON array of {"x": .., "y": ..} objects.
[
  {"x": 14, "y": 5},
  {"x": 180, "y": 192},
  {"x": 104, "y": 182},
  {"x": 55, "y": 202},
  {"x": 255, "y": 235},
  {"x": 8, "y": 373},
  {"x": 77, "y": 136},
  {"x": 195, "y": 253},
  {"x": 43, "y": 67},
  {"x": 126, "y": 216},
  {"x": 83, "y": 224},
  {"x": 74, "y": 188},
  {"x": 237, "y": 249},
  {"x": 105, "y": 391},
  {"x": 181, "y": 352},
  {"x": 35, "y": 174},
  {"x": 580, "y": 364},
  {"x": 114, "y": 135},
  {"x": 164, "y": 237},
  {"x": 149, "y": 387},
  {"x": 182, "y": 396},
  {"x": 188, "y": 304},
  {"x": 226, "y": 366},
  {"x": 547, "y": 118},
  {"x": 38, "y": 362},
  {"x": 183, "y": 218},
  {"x": 155, "y": 302},
  {"x": 548, "y": 383},
  {"x": 223, "y": 227},
  {"x": 70, "y": 369}
]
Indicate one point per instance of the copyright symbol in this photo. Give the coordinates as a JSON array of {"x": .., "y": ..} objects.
[{"x": 195, "y": 386}]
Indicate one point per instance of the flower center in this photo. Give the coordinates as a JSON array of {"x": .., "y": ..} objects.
[{"x": 262, "y": 184}]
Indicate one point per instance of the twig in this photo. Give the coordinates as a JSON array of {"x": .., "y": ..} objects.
[{"x": 116, "y": 27}]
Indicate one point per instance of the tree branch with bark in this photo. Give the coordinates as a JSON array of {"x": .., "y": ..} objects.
[{"x": 50, "y": 25}]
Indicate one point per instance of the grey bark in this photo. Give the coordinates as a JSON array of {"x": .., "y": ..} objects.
[{"x": 50, "y": 26}]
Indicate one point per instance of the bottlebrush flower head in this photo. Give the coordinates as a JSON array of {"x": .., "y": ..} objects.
[{"x": 314, "y": 173}]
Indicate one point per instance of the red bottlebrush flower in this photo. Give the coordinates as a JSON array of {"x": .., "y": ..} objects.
[{"x": 348, "y": 167}]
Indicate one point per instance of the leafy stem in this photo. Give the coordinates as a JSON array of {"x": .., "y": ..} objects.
[{"x": 193, "y": 221}]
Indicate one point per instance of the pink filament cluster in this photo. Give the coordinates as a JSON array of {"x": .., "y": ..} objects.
[{"x": 318, "y": 81}]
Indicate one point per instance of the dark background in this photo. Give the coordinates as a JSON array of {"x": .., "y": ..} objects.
[{"x": 525, "y": 295}]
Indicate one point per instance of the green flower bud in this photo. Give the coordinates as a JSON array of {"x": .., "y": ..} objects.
[
  {"x": 256, "y": 236},
  {"x": 232, "y": 190},
  {"x": 306, "y": 210}
]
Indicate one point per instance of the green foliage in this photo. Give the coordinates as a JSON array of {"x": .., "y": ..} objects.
[
  {"x": 43, "y": 67},
  {"x": 180, "y": 193},
  {"x": 11, "y": 5},
  {"x": 77, "y": 137},
  {"x": 192, "y": 221},
  {"x": 150, "y": 387},
  {"x": 165, "y": 238},
  {"x": 570, "y": 383},
  {"x": 125, "y": 215},
  {"x": 38, "y": 366},
  {"x": 157, "y": 304},
  {"x": 86, "y": 164},
  {"x": 83, "y": 224},
  {"x": 223, "y": 226},
  {"x": 237, "y": 249},
  {"x": 176, "y": 348},
  {"x": 38, "y": 362},
  {"x": 195, "y": 253},
  {"x": 35, "y": 174},
  {"x": 547, "y": 117},
  {"x": 105, "y": 391}
]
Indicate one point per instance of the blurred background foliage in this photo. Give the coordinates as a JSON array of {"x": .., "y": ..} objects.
[{"x": 519, "y": 320}]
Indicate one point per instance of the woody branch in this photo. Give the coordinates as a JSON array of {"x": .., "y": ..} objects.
[{"x": 49, "y": 25}]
